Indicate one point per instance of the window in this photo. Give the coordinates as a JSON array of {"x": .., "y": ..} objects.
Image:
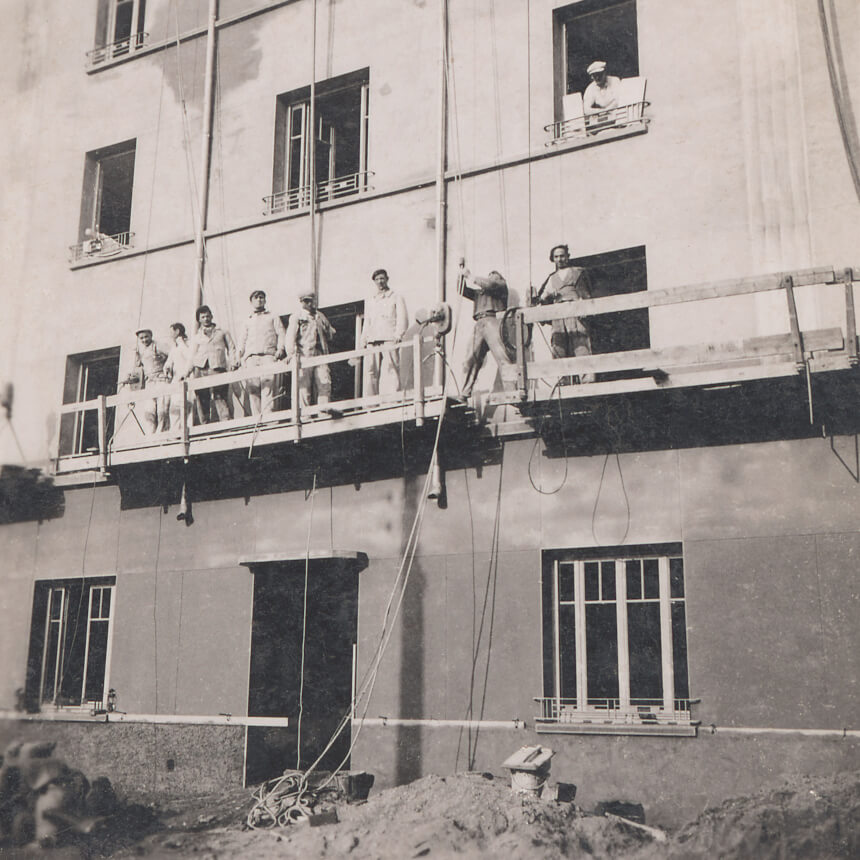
[
  {"x": 584, "y": 32},
  {"x": 105, "y": 226},
  {"x": 339, "y": 143},
  {"x": 614, "y": 640},
  {"x": 88, "y": 375},
  {"x": 614, "y": 273},
  {"x": 70, "y": 643},
  {"x": 119, "y": 29}
]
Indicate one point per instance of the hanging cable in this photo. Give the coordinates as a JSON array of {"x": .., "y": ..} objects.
[
  {"x": 305, "y": 626},
  {"x": 152, "y": 185}
]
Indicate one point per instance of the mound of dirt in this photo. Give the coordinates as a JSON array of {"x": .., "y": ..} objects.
[
  {"x": 472, "y": 816},
  {"x": 808, "y": 818}
]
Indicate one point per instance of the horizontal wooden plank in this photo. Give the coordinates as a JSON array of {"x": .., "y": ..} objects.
[
  {"x": 691, "y": 354},
  {"x": 674, "y": 295}
]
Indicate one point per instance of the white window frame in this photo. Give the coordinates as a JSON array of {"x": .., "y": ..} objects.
[
  {"x": 61, "y": 627},
  {"x": 586, "y": 713}
]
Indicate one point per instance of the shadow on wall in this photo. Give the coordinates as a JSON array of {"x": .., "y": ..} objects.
[
  {"x": 408, "y": 765},
  {"x": 239, "y": 53}
]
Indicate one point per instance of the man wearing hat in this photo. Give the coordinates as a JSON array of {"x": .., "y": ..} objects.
[
  {"x": 148, "y": 372},
  {"x": 309, "y": 333},
  {"x": 570, "y": 336},
  {"x": 604, "y": 91},
  {"x": 261, "y": 342},
  {"x": 385, "y": 321}
]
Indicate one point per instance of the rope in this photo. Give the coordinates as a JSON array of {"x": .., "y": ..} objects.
[
  {"x": 152, "y": 186},
  {"x": 305, "y": 626}
]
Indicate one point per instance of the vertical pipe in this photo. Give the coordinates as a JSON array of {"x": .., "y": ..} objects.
[
  {"x": 441, "y": 186},
  {"x": 418, "y": 381},
  {"x": 206, "y": 155},
  {"x": 102, "y": 419},
  {"x": 312, "y": 152}
]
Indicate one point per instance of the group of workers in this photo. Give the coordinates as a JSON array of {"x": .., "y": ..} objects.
[{"x": 264, "y": 340}]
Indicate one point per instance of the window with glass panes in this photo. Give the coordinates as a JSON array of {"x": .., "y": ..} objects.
[{"x": 615, "y": 629}]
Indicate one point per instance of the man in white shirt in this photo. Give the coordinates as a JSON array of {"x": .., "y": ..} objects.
[
  {"x": 261, "y": 342},
  {"x": 149, "y": 372},
  {"x": 385, "y": 322},
  {"x": 604, "y": 91}
]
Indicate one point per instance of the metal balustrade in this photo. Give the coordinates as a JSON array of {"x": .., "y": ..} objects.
[
  {"x": 115, "y": 50},
  {"x": 638, "y": 712},
  {"x": 187, "y": 434},
  {"x": 101, "y": 245},
  {"x": 587, "y": 125},
  {"x": 332, "y": 189}
]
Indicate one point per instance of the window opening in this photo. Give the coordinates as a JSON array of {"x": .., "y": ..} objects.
[
  {"x": 615, "y": 635},
  {"x": 615, "y": 273},
  {"x": 70, "y": 643},
  {"x": 589, "y": 31},
  {"x": 339, "y": 141},
  {"x": 105, "y": 224},
  {"x": 88, "y": 375},
  {"x": 119, "y": 29}
]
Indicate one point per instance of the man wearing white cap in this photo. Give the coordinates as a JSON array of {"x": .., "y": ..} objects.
[
  {"x": 261, "y": 342},
  {"x": 309, "y": 333},
  {"x": 603, "y": 92},
  {"x": 148, "y": 372}
]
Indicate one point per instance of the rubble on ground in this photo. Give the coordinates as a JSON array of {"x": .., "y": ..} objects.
[{"x": 46, "y": 803}]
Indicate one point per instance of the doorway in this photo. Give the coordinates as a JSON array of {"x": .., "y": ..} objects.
[{"x": 311, "y": 686}]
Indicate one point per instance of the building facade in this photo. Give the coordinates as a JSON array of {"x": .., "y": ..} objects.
[{"x": 653, "y": 573}]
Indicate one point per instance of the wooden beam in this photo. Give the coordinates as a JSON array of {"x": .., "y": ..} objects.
[
  {"x": 787, "y": 284},
  {"x": 673, "y": 295},
  {"x": 850, "y": 317},
  {"x": 666, "y": 358}
]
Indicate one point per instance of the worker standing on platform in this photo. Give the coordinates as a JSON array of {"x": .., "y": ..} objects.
[
  {"x": 148, "y": 371},
  {"x": 212, "y": 352},
  {"x": 385, "y": 322},
  {"x": 177, "y": 367},
  {"x": 568, "y": 283},
  {"x": 261, "y": 342},
  {"x": 309, "y": 333},
  {"x": 490, "y": 296}
]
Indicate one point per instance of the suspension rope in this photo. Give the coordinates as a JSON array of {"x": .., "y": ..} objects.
[
  {"x": 305, "y": 626},
  {"x": 152, "y": 186}
]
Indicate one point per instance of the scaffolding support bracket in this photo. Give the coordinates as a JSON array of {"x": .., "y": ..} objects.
[
  {"x": 850, "y": 317},
  {"x": 796, "y": 337}
]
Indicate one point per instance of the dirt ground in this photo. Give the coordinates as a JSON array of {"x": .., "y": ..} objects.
[{"x": 477, "y": 816}]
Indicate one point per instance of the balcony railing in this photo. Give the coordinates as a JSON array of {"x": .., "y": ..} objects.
[
  {"x": 332, "y": 189},
  {"x": 635, "y": 715},
  {"x": 115, "y": 50},
  {"x": 126, "y": 436},
  {"x": 101, "y": 245},
  {"x": 582, "y": 127}
]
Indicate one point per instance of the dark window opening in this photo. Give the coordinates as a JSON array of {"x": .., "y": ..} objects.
[
  {"x": 88, "y": 375},
  {"x": 597, "y": 30},
  {"x": 107, "y": 195},
  {"x": 339, "y": 142},
  {"x": 70, "y": 638},
  {"x": 611, "y": 274},
  {"x": 119, "y": 28}
]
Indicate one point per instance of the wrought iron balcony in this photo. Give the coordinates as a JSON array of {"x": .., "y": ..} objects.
[
  {"x": 116, "y": 50},
  {"x": 634, "y": 716},
  {"x": 583, "y": 126},
  {"x": 332, "y": 189},
  {"x": 101, "y": 245}
]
